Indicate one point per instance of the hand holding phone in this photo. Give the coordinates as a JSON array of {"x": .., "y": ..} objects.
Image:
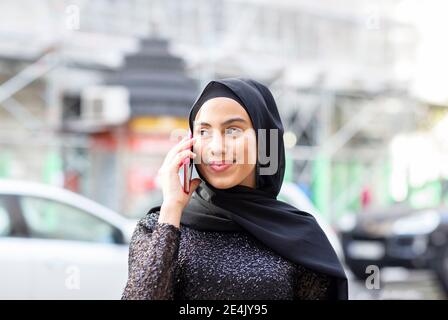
[{"x": 175, "y": 195}]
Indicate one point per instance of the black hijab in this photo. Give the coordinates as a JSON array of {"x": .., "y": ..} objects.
[{"x": 292, "y": 233}]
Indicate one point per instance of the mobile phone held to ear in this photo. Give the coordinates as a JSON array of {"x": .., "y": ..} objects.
[{"x": 185, "y": 173}]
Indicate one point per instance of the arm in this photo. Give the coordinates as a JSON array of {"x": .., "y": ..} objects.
[
  {"x": 152, "y": 260},
  {"x": 155, "y": 243},
  {"x": 311, "y": 285}
]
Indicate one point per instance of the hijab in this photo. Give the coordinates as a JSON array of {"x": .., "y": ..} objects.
[{"x": 288, "y": 231}]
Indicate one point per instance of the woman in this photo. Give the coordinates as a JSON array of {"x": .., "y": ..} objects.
[{"x": 229, "y": 237}]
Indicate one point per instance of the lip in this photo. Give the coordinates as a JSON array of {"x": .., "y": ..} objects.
[{"x": 219, "y": 166}]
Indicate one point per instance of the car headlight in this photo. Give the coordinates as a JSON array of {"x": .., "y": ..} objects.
[{"x": 421, "y": 223}]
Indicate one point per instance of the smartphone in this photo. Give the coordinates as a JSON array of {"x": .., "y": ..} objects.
[
  {"x": 185, "y": 173},
  {"x": 186, "y": 176}
]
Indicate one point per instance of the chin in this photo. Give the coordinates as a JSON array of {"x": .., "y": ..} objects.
[
  {"x": 222, "y": 183},
  {"x": 219, "y": 182}
]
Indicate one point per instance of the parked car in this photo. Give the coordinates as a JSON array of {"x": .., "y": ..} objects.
[
  {"x": 55, "y": 244},
  {"x": 398, "y": 236}
]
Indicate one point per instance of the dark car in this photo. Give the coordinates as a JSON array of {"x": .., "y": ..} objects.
[{"x": 398, "y": 236}]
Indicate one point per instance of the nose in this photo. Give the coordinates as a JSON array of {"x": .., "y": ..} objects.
[{"x": 217, "y": 145}]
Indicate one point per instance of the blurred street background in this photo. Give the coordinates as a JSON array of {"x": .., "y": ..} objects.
[{"x": 91, "y": 92}]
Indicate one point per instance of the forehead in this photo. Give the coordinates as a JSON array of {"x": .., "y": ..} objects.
[{"x": 220, "y": 109}]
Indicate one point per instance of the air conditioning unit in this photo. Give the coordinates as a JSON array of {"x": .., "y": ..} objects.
[{"x": 104, "y": 106}]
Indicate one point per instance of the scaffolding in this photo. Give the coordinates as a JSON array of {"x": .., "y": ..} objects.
[{"x": 332, "y": 68}]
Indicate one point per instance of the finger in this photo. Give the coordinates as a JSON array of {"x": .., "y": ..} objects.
[
  {"x": 181, "y": 156},
  {"x": 174, "y": 150},
  {"x": 183, "y": 145}
]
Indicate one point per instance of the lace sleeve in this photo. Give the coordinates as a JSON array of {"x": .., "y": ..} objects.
[
  {"x": 311, "y": 285},
  {"x": 152, "y": 259}
]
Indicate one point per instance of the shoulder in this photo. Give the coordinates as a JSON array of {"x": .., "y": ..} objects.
[
  {"x": 149, "y": 220},
  {"x": 145, "y": 227}
]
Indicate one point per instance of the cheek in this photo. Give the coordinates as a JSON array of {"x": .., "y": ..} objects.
[
  {"x": 200, "y": 149},
  {"x": 246, "y": 150}
]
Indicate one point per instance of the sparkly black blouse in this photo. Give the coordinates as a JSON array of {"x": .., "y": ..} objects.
[{"x": 166, "y": 262}]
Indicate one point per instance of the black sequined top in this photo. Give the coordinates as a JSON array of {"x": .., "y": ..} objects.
[{"x": 166, "y": 262}]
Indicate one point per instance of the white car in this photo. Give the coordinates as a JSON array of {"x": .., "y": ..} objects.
[{"x": 55, "y": 244}]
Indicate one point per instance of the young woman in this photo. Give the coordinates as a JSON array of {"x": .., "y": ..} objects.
[{"x": 230, "y": 238}]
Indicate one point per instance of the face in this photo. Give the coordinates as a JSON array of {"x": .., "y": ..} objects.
[{"x": 226, "y": 148}]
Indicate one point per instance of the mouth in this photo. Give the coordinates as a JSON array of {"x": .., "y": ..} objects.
[{"x": 220, "y": 166}]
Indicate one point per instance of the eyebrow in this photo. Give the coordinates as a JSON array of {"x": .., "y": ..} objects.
[{"x": 202, "y": 123}]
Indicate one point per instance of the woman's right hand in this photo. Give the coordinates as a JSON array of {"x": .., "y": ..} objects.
[{"x": 174, "y": 197}]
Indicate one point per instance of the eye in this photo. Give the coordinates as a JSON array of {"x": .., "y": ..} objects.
[
  {"x": 233, "y": 131},
  {"x": 203, "y": 132}
]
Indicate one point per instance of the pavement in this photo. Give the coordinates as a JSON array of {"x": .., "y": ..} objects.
[{"x": 399, "y": 284}]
